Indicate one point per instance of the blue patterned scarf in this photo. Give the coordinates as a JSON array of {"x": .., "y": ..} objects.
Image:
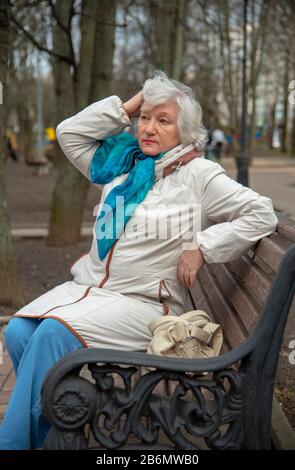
[{"x": 115, "y": 156}]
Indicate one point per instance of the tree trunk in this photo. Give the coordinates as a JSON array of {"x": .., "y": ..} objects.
[
  {"x": 162, "y": 16},
  {"x": 227, "y": 61},
  {"x": 179, "y": 39},
  {"x": 286, "y": 38},
  {"x": 66, "y": 209},
  {"x": 252, "y": 127},
  {"x": 102, "y": 63},
  {"x": 292, "y": 146},
  {"x": 257, "y": 44},
  {"x": 26, "y": 137},
  {"x": 11, "y": 292},
  {"x": 232, "y": 95},
  {"x": 84, "y": 68},
  {"x": 272, "y": 71},
  {"x": 284, "y": 123},
  {"x": 75, "y": 88},
  {"x": 272, "y": 125}
]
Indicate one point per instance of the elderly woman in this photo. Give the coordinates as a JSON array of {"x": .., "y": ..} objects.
[{"x": 163, "y": 213}]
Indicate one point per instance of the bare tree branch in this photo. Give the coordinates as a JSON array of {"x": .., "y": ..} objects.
[
  {"x": 40, "y": 46},
  {"x": 65, "y": 29},
  {"x": 57, "y": 18}
]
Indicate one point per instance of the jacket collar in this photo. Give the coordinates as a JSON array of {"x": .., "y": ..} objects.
[{"x": 174, "y": 158}]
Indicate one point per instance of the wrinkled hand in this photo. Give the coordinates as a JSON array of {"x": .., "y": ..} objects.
[
  {"x": 189, "y": 263},
  {"x": 132, "y": 106}
]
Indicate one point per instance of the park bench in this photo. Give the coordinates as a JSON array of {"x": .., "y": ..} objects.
[{"x": 112, "y": 400}]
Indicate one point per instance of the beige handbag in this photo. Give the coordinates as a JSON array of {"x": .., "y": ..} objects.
[{"x": 191, "y": 335}]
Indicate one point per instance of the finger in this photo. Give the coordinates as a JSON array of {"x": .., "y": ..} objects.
[
  {"x": 184, "y": 273},
  {"x": 188, "y": 279},
  {"x": 192, "y": 279},
  {"x": 180, "y": 275},
  {"x": 184, "y": 278}
]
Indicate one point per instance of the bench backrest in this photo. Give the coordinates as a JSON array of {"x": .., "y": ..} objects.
[{"x": 234, "y": 293}]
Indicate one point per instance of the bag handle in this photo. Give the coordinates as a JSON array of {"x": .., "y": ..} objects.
[
  {"x": 181, "y": 326},
  {"x": 174, "y": 318}
]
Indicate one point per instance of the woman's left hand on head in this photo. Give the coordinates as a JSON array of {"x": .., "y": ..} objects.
[
  {"x": 132, "y": 106},
  {"x": 189, "y": 263}
]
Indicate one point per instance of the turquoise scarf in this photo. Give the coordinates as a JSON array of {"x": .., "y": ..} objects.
[{"x": 115, "y": 156}]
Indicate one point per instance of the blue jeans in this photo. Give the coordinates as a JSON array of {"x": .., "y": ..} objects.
[{"x": 34, "y": 346}]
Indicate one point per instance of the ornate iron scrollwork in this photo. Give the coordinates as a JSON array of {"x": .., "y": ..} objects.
[{"x": 197, "y": 411}]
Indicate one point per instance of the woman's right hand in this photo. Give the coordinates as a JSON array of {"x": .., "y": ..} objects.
[{"x": 132, "y": 106}]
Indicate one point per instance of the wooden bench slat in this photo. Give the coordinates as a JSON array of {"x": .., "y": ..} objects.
[
  {"x": 234, "y": 331},
  {"x": 286, "y": 227},
  {"x": 271, "y": 250},
  {"x": 246, "y": 311},
  {"x": 252, "y": 277},
  {"x": 199, "y": 301}
]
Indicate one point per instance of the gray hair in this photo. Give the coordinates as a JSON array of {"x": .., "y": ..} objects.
[{"x": 160, "y": 89}]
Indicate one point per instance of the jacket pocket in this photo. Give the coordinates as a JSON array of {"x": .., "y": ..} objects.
[{"x": 164, "y": 292}]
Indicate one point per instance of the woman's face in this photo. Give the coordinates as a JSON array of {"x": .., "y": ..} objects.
[{"x": 157, "y": 128}]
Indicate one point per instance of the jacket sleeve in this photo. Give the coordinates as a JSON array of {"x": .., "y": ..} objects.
[
  {"x": 241, "y": 216},
  {"x": 80, "y": 135}
]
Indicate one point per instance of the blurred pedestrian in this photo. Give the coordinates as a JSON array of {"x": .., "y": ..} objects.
[
  {"x": 218, "y": 140},
  {"x": 208, "y": 148}
]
